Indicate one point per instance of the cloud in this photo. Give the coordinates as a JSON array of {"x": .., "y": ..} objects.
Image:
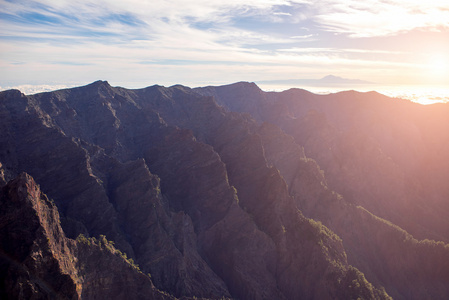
[
  {"x": 34, "y": 20},
  {"x": 166, "y": 41},
  {"x": 116, "y": 21},
  {"x": 29, "y": 89},
  {"x": 381, "y": 18},
  {"x": 135, "y": 17},
  {"x": 158, "y": 28},
  {"x": 306, "y": 36}
]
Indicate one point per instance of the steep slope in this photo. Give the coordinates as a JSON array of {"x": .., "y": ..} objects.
[
  {"x": 261, "y": 191},
  {"x": 388, "y": 155},
  {"x": 77, "y": 175},
  {"x": 386, "y": 254},
  {"x": 158, "y": 171},
  {"x": 334, "y": 131},
  {"x": 38, "y": 262}
]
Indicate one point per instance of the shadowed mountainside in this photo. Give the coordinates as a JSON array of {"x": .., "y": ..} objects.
[
  {"x": 210, "y": 201},
  {"x": 38, "y": 262}
]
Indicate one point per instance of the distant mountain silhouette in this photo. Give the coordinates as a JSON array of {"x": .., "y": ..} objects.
[{"x": 329, "y": 80}]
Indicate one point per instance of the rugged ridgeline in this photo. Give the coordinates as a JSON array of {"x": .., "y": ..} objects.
[{"x": 206, "y": 200}]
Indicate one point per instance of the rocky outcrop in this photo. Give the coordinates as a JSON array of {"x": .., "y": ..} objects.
[
  {"x": 164, "y": 242},
  {"x": 38, "y": 262},
  {"x": 4, "y": 176},
  {"x": 107, "y": 273}
]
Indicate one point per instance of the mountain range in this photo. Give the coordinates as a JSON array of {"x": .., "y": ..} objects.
[{"x": 222, "y": 192}]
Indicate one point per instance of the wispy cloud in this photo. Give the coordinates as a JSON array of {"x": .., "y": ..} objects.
[
  {"x": 379, "y": 18},
  {"x": 137, "y": 19},
  {"x": 166, "y": 41}
]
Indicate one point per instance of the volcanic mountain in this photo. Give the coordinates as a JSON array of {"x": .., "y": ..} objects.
[{"x": 222, "y": 192}]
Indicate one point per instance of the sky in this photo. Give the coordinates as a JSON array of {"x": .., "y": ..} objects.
[{"x": 48, "y": 44}]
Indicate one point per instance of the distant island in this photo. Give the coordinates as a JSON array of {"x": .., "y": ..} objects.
[{"x": 329, "y": 80}]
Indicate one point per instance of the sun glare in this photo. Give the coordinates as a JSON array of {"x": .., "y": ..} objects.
[{"x": 439, "y": 65}]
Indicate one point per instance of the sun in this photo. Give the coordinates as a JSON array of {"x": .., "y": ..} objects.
[{"x": 438, "y": 65}]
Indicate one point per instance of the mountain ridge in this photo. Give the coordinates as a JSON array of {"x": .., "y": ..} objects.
[{"x": 213, "y": 201}]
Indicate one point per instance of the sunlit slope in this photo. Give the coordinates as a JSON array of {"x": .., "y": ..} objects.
[{"x": 389, "y": 155}]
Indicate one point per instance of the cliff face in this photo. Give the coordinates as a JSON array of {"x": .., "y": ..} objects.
[
  {"x": 92, "y": 188},
  {"x": 39, "y": 262},
  {"x": 207, "y": 201},
  {"x": 36, "y": 261}
]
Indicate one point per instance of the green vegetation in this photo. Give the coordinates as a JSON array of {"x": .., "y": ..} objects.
[
  {"x": 104, "y": 244},
  {"x": 355, "y": 286},
  {"x": 283, "y": 229},
  {"x": 82, "y": 239},
  {"x": 235, "y": 194},
  {"x": 321, "y": 229}
]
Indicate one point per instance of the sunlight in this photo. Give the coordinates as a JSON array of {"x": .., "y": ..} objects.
[{"x": 438, "y": 65}]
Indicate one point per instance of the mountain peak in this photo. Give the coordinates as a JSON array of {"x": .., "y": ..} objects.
[
  {"x": 99, "y": 86},
  {"x": 13, "y": 93},
  {"x": 99, "y": 83},
  {"x": 246, "y": 84},
  {"x": 332, "y": 77},
  {"x": 94, "y": 85}
]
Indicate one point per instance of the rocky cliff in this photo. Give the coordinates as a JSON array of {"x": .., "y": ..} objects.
[
  {"x": 38, "y": 262},
  {"x": 206, "y": 198}
]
